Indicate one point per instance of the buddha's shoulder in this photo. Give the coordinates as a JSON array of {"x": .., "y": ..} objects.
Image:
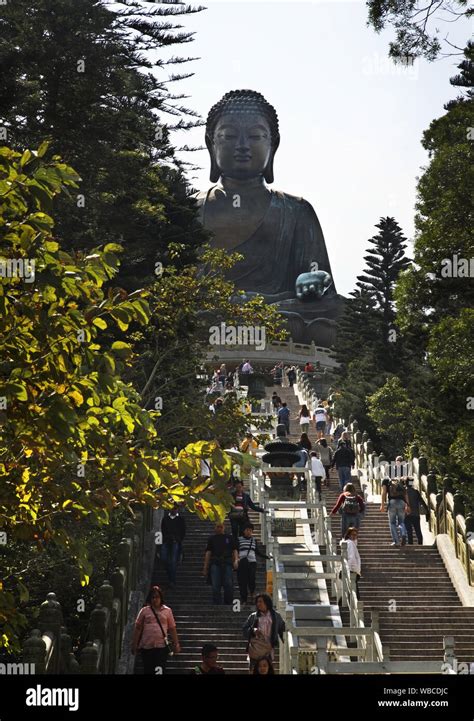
[
  {"x": 295, "y": 201},
  {"x": 285, "y": 199},
  {"x": 201, "y": 196}
]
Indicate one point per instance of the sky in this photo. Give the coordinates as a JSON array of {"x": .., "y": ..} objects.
[{"x": 351, "y": 121}]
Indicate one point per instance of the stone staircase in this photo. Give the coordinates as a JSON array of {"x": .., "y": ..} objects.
[
  {"x": 199, "y": 621},
  {"x": 411, "y": 590},
  {"x": 408, "y": 586}
]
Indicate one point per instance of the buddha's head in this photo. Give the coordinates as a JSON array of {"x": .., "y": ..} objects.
[{"x": 242, "y": 136}]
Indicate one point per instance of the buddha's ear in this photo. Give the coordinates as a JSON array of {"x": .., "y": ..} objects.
[
  {"x": 268, "y": 172},
  {"x": 215, "y": 173}
]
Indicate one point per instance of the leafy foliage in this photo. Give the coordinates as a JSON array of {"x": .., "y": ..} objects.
[
  {"x": 75, "y": 72},
  {"x": 75, "y": 439},
  {"x": 417, "y": 24}
]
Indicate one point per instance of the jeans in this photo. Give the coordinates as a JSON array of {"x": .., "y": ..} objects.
[
  {"x": 286, "y": 423},
  {"x": 349, "y": 520},
  {"x": 344, "y": 476},
  {"x": 154, "y": 659},
  {"x": 396, "y": 515},
  {"x": 412, "y": 522},
  {"x": 246, "y": 576},
  {"x": 221, "y": 575},
  {"x": 169, "y": 555}
]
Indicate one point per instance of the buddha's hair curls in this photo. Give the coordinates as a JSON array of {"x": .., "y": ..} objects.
[{"x": 244, "y": 101}]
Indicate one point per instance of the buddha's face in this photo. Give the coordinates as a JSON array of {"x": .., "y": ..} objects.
[{"x": 242, "y": 145}]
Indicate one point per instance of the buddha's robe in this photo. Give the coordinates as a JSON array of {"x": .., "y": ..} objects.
[{"x": 288, "y": 239}]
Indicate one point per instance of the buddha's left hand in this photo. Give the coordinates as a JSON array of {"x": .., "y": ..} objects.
[{"x": 310, "y": 286}]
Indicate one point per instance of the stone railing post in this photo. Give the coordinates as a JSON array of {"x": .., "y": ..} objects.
[
  {"x": 34, "y": 652},
  {"x": 69, "y": 662},
  {"x": 106, "y": 599},
  {"x": 469, "y": 539},
  {"x": 129, "y": 531},
  {"x": 118, "y": 584},
  {"x": 422, "y": 466},
  {"x": 89, "y": 658},
  {"x": 51, "y": 621},
  {"x": 98, "y": 627},
  {"x": 124, "y": 560}
]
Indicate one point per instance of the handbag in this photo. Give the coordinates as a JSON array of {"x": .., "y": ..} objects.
[
  {"x": 259, "y": 647},
  {"x": 169, "y": 650}
]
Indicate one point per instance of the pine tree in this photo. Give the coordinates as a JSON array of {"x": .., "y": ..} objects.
[
  {"x": 368, "y": 348},
  {"x": 385, "y": 261},
  {"x": 76, "y": 72},
  {"x": 465, "y": 79}
]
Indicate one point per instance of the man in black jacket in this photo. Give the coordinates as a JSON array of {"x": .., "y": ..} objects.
[
  {"x": 173, "y": 529},
  {"x": 344, "y": 459}
]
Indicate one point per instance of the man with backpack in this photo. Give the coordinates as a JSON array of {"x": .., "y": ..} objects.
[
  {"x": 395, "y": 500},
  {"x": 352, "y": 507}
]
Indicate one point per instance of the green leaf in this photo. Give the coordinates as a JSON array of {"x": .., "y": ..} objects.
[
  {"x": 17, "y": 390},
  {"x": 24, "y": 593},
  {"x": 43, "y": 148},
  {"x": 27, "y": 155},
  {"x": 100, "y": 323}
]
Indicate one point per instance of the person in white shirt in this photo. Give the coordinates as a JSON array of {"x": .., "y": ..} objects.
[
  {"x": 320, "y": 418},
  {"x": 305, "y": 419},
  {"x": 247, "y": 368},
  {"x": 353, "y": 557},
  {"x": 317, "y": 471}
]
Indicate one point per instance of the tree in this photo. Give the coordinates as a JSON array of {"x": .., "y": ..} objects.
[
  {"x": 390, "y": 408},
  {"x": 78, "y": 72},
  {"x": 76, "y": 441},
  {"x": 413, "y": 22},
  {"x": 184, "y": 306},
  {"x": 385, "y": 261},
  {"x": 435, "y": 296},
  {"x": 368, "y": 347}
]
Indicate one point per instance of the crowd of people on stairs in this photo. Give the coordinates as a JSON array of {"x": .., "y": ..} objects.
[{"x": 155, "y": 634}]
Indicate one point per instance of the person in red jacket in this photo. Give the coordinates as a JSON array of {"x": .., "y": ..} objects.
[{"x": 352, "y": 507}]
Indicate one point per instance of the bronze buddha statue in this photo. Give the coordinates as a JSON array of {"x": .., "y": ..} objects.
[{"x": 279, "y": 235}]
